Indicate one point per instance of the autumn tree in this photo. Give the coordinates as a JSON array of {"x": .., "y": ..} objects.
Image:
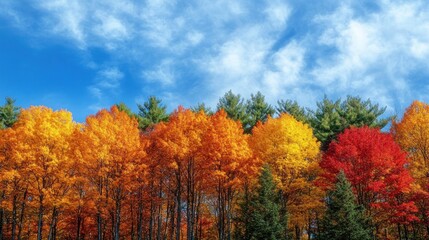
[
  {"x": 333, "y": 117},
  {"x": 113, "y": 152},
  {"x": 344, "y": 219},
  {"x": 226, "y": 148},
  {"x": 412, "y": 134},
  {"x": 43, "y": 142},
  {"x": 179, "y": 141},
  {"x": 376, "y": 168},
  {"x": 291, "y": 150}
]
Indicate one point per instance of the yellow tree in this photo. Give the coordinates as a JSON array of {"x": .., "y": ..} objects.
[
  {"x": 225, "y": 148},
  {"x": 43, "y": 143},
  {"x": 412, "y": 134},
  {"x": 114, "y": 156},
  {"x": 292, "y": 151}
]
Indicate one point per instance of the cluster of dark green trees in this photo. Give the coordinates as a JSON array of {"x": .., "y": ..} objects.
[{"x": 261, "y": 215}]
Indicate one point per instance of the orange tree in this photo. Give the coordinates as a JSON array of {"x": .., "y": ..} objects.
[
  {"x": 113, "y": 154},
  {"x": 412, "y": 134}
]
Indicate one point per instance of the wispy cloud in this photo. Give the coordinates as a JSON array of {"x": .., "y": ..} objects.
[
  {"x": 107, "y": 80},
  {"x": 200, "y": 49}
]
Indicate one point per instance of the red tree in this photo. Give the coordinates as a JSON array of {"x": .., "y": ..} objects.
[{"x": 377, "y": 169}]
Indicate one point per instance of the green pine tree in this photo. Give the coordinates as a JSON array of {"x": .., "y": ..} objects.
[
  {"x": 151, "y": 112},
  {"x": 293, "y": 108},
  {"x": 234, "y": 106},
  {"x": 344, "y": 219},
  {"x": 257, "y": 110},
  {"x": 202, "y": 107},
  {"x": 8, "y": 113},
  {"x": 332, "y": 118},
  {"x": 260, "y": 214}
]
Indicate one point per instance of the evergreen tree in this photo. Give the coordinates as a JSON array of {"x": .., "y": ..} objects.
[
  {"x": 234, "y": 106},
  {"x": 124, "y": 108},
  {"x": 202, "y": 107},
  {"x": 260, "y": 216},
  {"x": 257, "y": 110},
  {"x": 332, "y": 118},
  {"x": 344, "y": 220},
  {"x": 8, "y": 113},
  {"x": 151, "y": 112},
  {"x": 293, "y": 108}
]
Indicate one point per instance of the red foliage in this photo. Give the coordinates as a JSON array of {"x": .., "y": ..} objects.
[{"x": 377, "y": 169}]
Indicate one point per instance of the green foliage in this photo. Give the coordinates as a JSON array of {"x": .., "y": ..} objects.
[
  {"x": 257, "y": 110},
  {"x": 234, "y": 106},
  {"x": 8, "y": 113},
  {"x": 151, "y": 112},
  {"x": 331, "y": 118},
  {"x": 202, "y": 107},
  {"x": 344, "y": 220},
  {"x": 260, "y": 212},
  {"x": 124, "y": 108},
  {"x": 293, "y": 108}
]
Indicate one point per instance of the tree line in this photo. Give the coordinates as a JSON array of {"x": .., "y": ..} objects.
[{"x": 247, "y": 170}]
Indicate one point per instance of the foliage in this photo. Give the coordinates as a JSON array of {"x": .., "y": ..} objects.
[
  {"x": 151, "y": 112},
  {"x": 412, "y": 134},
  {"x": 8, "y": 113},
  {"x": 257, "y": 111},
  {"x": 344, "y": 220},
  {"x": 261, "y": 214},
  {"x": 375, "y": 166},
  {"x": 234, "y": 107},
  {"x": 293, "y": 108},
  {"x": 332, "y": 118},
  {"x": 291, "y": 150}
]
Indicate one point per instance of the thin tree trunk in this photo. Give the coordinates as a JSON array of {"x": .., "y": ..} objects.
[
  {"x": 179, "y": 203},
  {"x": 1, "y": 215},
  {"x": 79, "y": 223},
  {"x": 158, "y": 234},
  {"x": 40, "y": 218},
  {"x": 53, "y": 224},
  {"x": 14, "y": 203},
  {"x": 118, "y": 213},
  {"x": 140, "y": 215},
  {"x": 21, "y": 217}
]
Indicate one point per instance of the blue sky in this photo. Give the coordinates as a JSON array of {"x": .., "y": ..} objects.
[{"x": 84, "y": 55}]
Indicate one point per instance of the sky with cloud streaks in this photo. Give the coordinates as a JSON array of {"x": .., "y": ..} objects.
[{"x": 84, "y": 55}]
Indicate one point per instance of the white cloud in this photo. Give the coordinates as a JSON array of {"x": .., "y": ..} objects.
[
  {"x": 377, "y": 54},
  {"x": 246, "y": 46},
  {"x": 163, "y": 73},
  {"x": 107, "y": 80}
]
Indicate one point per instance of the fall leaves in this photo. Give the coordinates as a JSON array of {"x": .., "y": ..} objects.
[{"x": 182, "y": 178}]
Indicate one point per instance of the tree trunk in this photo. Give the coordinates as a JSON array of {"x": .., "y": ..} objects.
[
  {"x": 79, "y": 223},
  {"x": 21, "y": 217},
  {"x": 118, "y": 213},
  {"x": 140, "y": 215},
  {"x": 40, "y": 218},
  {"x": 1, "y": 215},
  {"x": 179, "y": 203},
  {"x": 158, "y": 234},
  {"x": 53, "y": 225},
  {"x": 99, "y": 226},
  {"x": 14, "y": 203}
]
